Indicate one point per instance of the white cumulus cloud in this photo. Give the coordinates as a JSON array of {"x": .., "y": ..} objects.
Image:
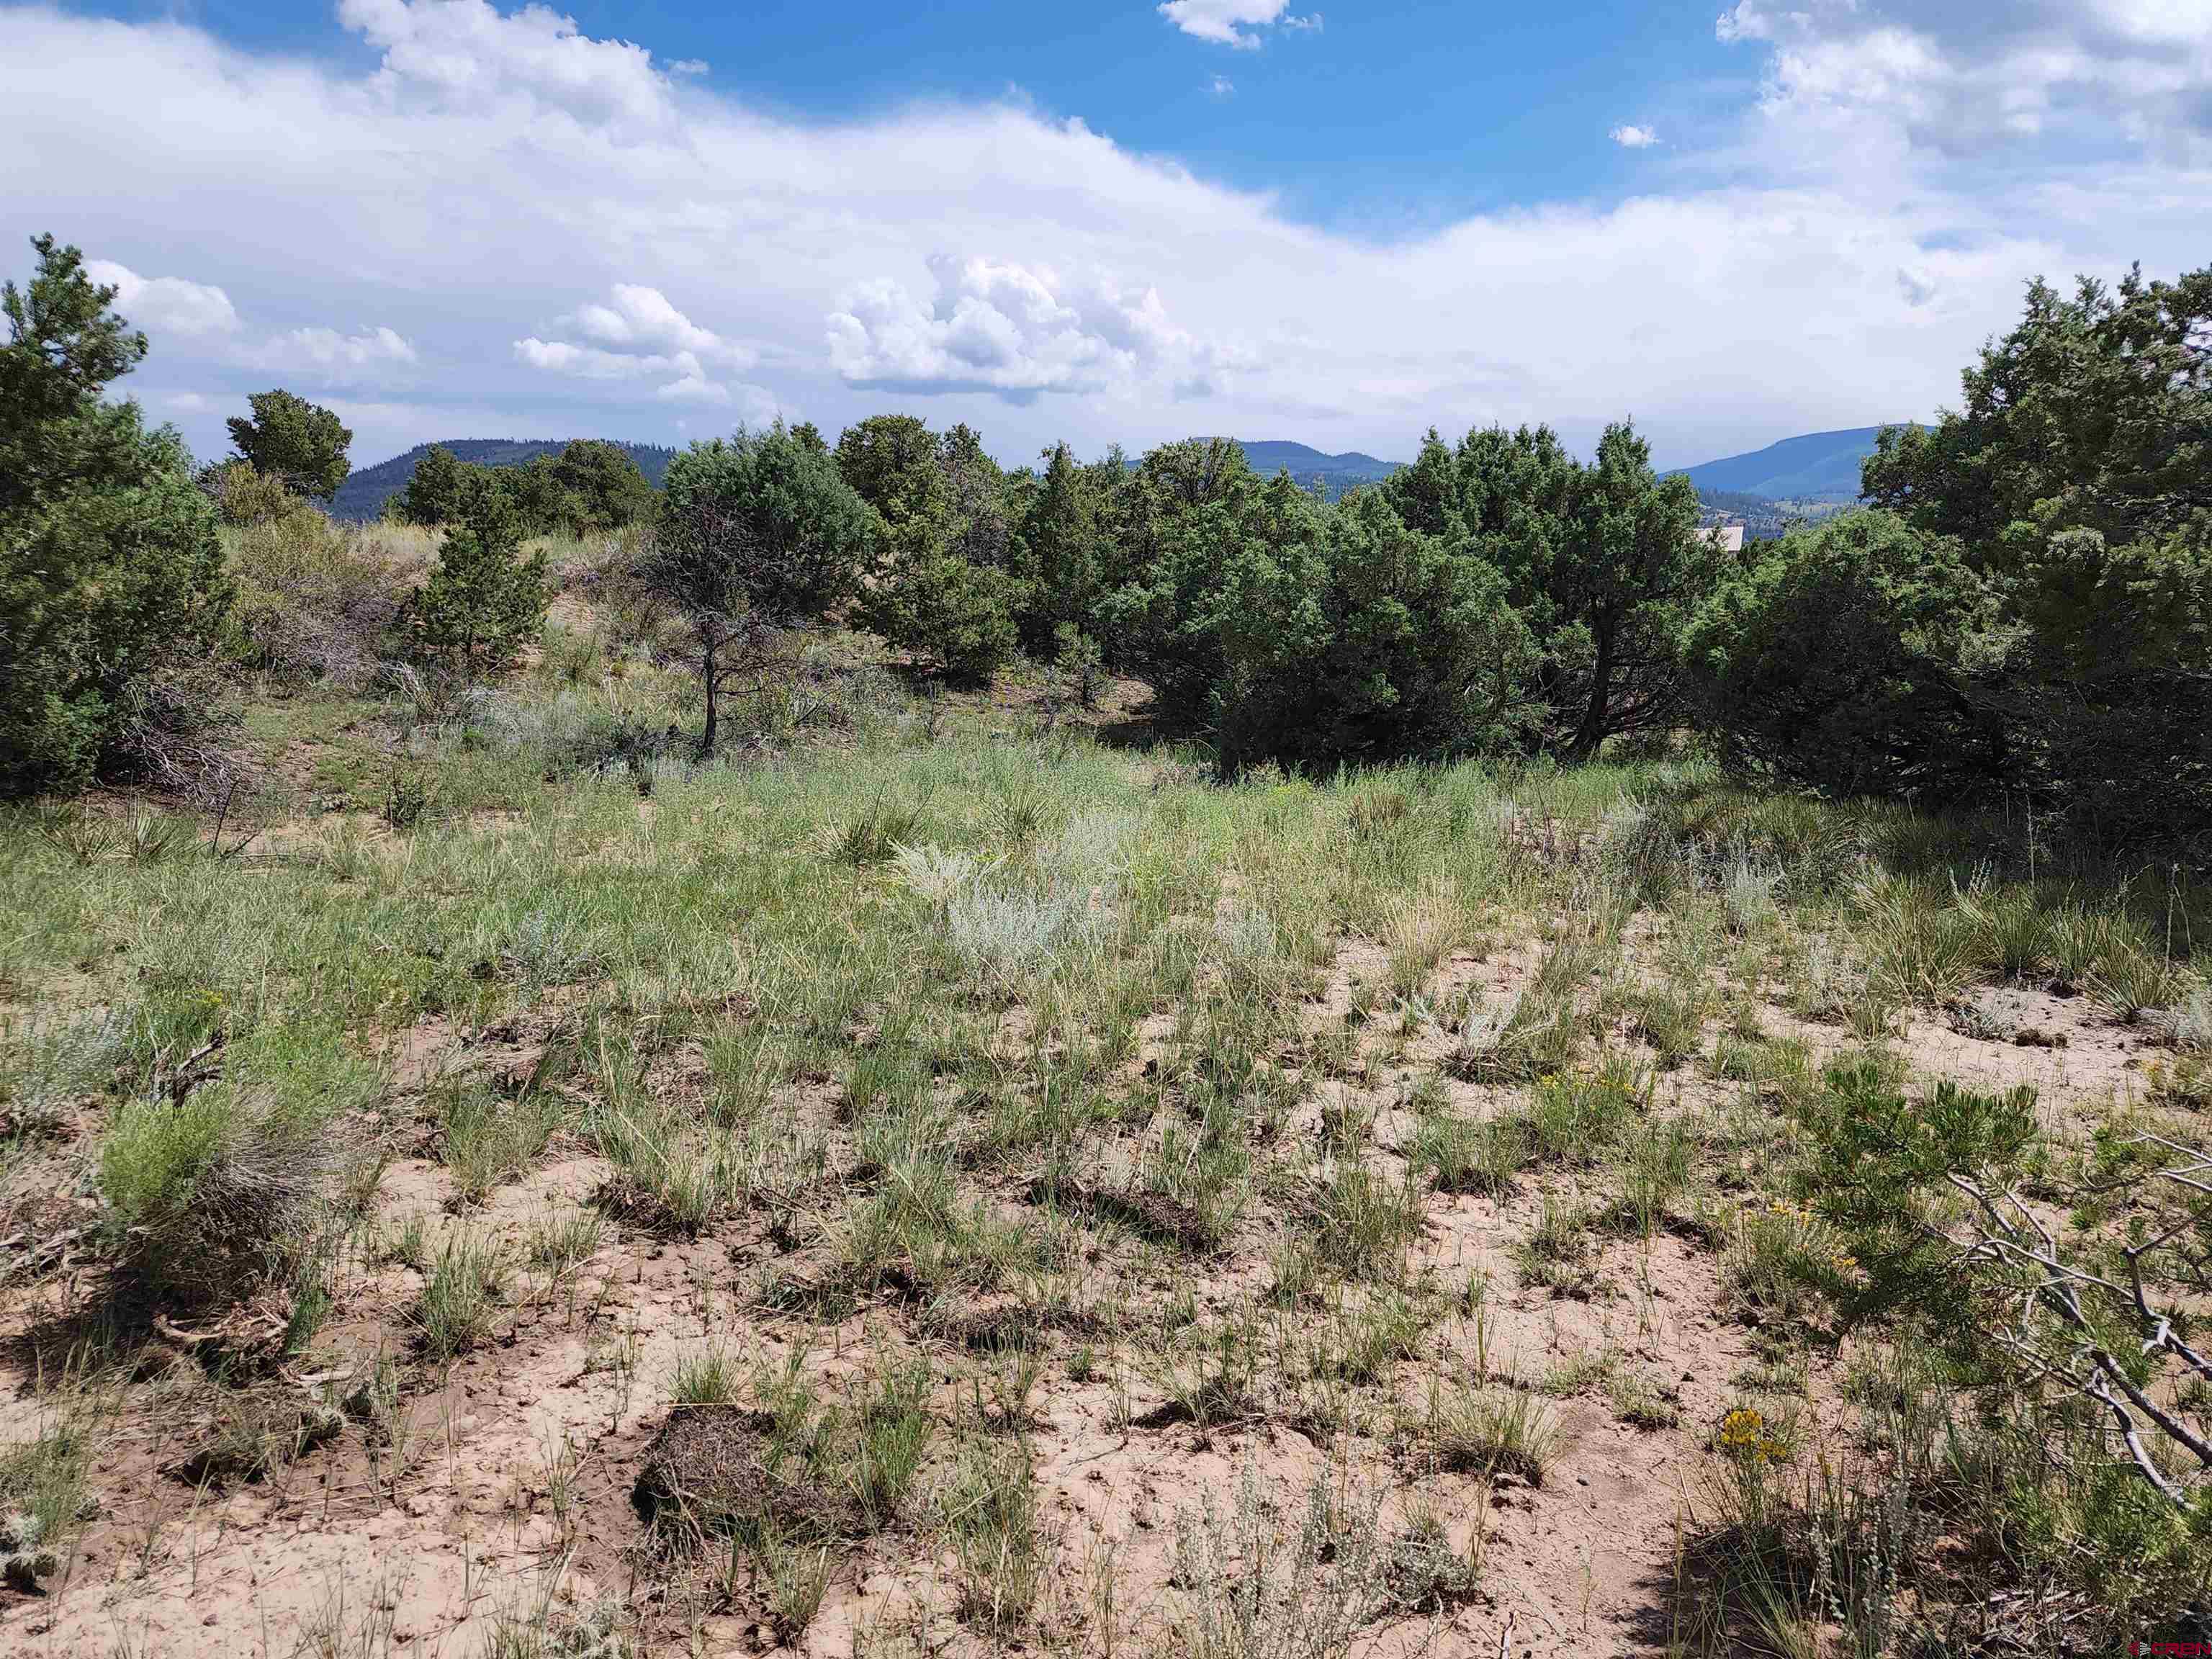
[
  {"x": 165, "y": 305},
  {"x": 636, "y": 315},
  {"x": 1015, "y": 330},
  {"x": 1631, "y": 137},
  {"x": 366, "y": 354},
  {"x": 1955, "y": 75},
  {"x": 466, "y": 54},
  {"x": 1232, "y": 22},
  {"x": 642, "y": 335}
]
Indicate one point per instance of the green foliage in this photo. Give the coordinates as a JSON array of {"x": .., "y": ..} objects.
[
  {"x": 1843, "y": 660},
  {"x": 601, "y": 487},
  {"x": 941, "y": 608},
  {"x": 1061, "y": 553},
  {"x": 756, "y": 533},
  {"x": 1880, "y": 1164},
  {"x": 208, "y": 1195},
  {"x": 542, "y": 504},
  {"x": 891, "y": 463},
  {"x": 1630, "y": 568},
  {"x": 761, "y": 523},
  {"x": 1419, "y": 652},
  {"x": 301, "y": 444},
  {"x": 1602, "y": 562},
  {"x": 244, "y": 495},
  {"x": 589, "y": 489},
  {"x": 2091, "y": 414},
  {"x": 2036, "y": 614},
  {"x": 314, "y": 601},
  {"x": 929, "y": 596},
  {"x": 434, "y": 492},
  {"x": 1302, "y": 633},
  {"x": 110, "y": 565},
  {"x": 1182, "y": 523},
  {"x": 483, "y": 599}
]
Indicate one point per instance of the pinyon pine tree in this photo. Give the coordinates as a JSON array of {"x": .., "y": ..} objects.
[
  {"x": 482, "y": 598},
  {"x": 110, "y": 563}
]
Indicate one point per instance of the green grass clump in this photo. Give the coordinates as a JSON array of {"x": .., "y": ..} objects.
[
  {"x": 461, "y": 1298},
  {"x": 1463, "y": 1155},
  {"x": 490, "y": 1138},
  {"x": 225, "y": 1188},
  {"x": 1494, "y": 1430}
]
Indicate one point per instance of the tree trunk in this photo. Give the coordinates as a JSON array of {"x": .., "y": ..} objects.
[
  {"x": 707, "y": 743},
  {"x": 1592, "y": 732}
]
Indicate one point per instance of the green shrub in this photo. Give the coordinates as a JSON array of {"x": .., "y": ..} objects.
[
  {"x": 221, "y": 1190},
  {"x": 942, "y": 609},
  {"x": 1306, "y": 635},
  {"x": 244, "y": 495},
  {"x": 1842, "y": 661},
  {"x": 111, "y": 569},
  {"x": 434, "y": 494},
  {"x": 314, "y": 602},
  {"x": 756, "y": 533},
  {"x": 302, "y": 446},
  {"x": 2028, "y": 609}
]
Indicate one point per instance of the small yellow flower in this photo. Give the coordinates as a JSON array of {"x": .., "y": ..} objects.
[{"x": 1740, "y": 1427}]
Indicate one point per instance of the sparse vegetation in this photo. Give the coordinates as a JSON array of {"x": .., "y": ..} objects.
[{"x": 777, "y": 1174}]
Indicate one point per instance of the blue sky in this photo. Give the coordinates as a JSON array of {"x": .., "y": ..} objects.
[
  {"x": 1105, "y": 220},
  {"x": 1502, "y": 104}
]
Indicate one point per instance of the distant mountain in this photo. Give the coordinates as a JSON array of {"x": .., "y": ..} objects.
[
  {"x": 1820, "y": 466},
  {"x": 1336, "y": 473},
  {"x": 365, "y": 492}
]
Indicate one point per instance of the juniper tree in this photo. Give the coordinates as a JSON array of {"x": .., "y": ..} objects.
[
  {"x": 757, "y": 534},
  {"x": 289, "y": 439},
  {"x": 433, "y": 495}
]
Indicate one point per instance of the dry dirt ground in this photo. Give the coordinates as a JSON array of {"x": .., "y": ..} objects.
[{"x": 494, "y": 1504}]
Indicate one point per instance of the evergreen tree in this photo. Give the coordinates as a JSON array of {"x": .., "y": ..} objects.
[
  {"x": 603, "y": 487},
  {"x": 483, "y": 599},
  {"x": 289, "y": 439},
  {"x": 2030, "y": 606},
  {"x": 543, "y": 504},
  {"x": 1630, "y": 569},
  {"x": 925, "y": 597},
  {"x": 434, "y": 491},
  {"x": 110, "y": 563},
  {"x": 756, "y": 533},
  {"x": 1061, "y": 553}
]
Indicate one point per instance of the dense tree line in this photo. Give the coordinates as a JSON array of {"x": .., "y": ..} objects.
[
  {"x": 2023, "y": 607},
  {"x": 589, "y": 488},
  {"x": 1500, "y": 593}
]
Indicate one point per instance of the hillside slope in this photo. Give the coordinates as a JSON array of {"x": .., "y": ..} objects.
[
  {"x": 1337, "y": 473},
  {"x": 364, "y": 493},
  {"x": 1816, "y": 466}
]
